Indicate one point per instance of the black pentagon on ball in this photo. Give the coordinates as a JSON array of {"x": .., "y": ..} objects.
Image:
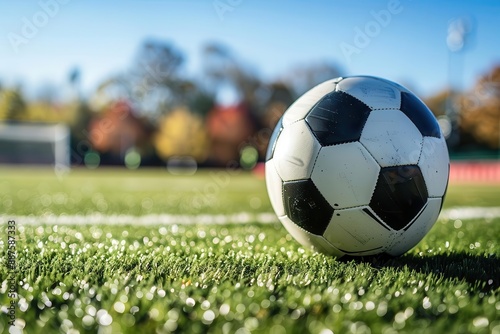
[
  {"x": 399, "y": 195},
  {"x": 274, "y": 137},
  {"x": 306, "y": 207},
  {"x": 338, "y": 118},
  {"x": 420, "y": 115}
]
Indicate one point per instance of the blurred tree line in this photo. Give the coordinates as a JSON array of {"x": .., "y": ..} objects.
[
  {"x": 478, "y": 115},
  {"x": 223, "y": 116}
]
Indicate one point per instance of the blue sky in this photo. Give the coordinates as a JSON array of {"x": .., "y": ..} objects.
[{"x": 102, "y": 37}]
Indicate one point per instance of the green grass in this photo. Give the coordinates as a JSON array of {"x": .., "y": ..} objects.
[
  {"x": 110, "y": 191},
  {"x": 230, "y": 278}
]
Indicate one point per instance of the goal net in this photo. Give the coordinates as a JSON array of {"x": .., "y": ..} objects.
[{"x": 36, "y": 144}]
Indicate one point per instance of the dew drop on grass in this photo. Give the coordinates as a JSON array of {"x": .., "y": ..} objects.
[
  {"x": 240, "y": 308},
  {"x": 104, "y": 318},
  {"x": 205, "y": 305},
  {"x": 382, "y": 309},
  {"x": 23, "y": 305},
  {"x": 224, "y": 309},
  {"x": 91, "y": 310},
  {"x": 480, "y": 322},
  {"x": 208, "y": 317},
  {"x": 155, "y": 314},
  {"x": 170, "y": 325},
  {"x": 265, "y": 303},
  {"x": 346, "y": 298},
  {"x": 426, "y": 303},
  {"x": 88, "y": 321},
  {"x": 277, "y": 329},
  {"x": 79, "y": 312},
  {"x": 326, "y": 331},
  {"x": 119, "y": 307},
  {"x": 356, "y": 306},
  {"x": 369, "y": 305},
  {"x": 399, "y": 317},
  {"x": 190, "y": 302}
]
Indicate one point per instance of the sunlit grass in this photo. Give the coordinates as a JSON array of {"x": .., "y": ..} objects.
[
  {"x": 120, "y": 191},
  {"x": 233, "y": 278}
]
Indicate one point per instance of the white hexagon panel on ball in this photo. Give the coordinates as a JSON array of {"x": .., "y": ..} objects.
[
  {"x": 435, "y": 164},
  {"x": 295, "y": 152},
  {"x": 274, "y": 188},
  {"x": 358, "y": 231},
  {"x": 374, "y": 92},
  {"x": 392, "y": 138},
  {"x": 299, "y": 109},
  {"x": 308, "y": 239},
  {"x": 345, "y": 174}
]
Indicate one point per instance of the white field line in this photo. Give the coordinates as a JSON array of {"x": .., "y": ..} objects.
[
  {"x": 462, "y": 213},
  {"x": 152, "y": 219},
  {"x": 470, "y": 212}
]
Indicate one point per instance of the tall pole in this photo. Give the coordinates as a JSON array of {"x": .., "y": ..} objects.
[{"x": 457, "y": 39}]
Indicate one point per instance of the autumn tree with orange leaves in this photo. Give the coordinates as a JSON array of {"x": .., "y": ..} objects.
[{"x": 480, "y": 110}]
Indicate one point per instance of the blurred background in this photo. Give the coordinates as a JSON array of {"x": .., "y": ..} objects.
[{"x": 192, "y": 84}]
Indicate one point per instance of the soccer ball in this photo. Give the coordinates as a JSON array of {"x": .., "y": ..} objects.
[{"x": 357, "y": 166}]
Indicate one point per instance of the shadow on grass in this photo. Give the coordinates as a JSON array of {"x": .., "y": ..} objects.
[{"x": 482, "y": 272}]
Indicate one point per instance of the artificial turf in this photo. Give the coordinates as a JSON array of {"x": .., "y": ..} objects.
[{"x": 228, "y": 278}]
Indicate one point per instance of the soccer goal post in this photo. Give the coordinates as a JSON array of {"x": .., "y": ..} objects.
[{"x": 35, "y": 144}]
